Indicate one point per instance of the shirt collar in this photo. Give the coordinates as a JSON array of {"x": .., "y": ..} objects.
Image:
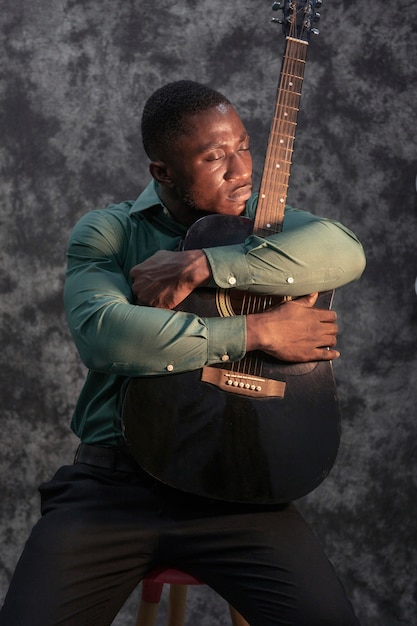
[{"x": 149, "y": 197}]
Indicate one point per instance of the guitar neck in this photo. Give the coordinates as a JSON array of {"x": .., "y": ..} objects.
[{"x": 276, "y": 174}]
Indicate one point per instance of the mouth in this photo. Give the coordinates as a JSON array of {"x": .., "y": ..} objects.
[{"x": 242, "y": 193}]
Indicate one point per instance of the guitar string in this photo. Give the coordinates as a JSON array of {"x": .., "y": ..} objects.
[
  {"x": 276, "y": 182},
  {"x": 251, "y": 303}
]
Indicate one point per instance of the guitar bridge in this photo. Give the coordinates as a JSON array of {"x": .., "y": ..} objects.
[{"x": 244, "y": 384}]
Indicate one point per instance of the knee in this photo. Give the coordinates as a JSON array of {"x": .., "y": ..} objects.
[{"x": 327, "y": 612}]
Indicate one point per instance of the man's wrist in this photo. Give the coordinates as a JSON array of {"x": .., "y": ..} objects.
[
  {"x": 200, "y": 268},
  {"x": 252, "y": 335}
]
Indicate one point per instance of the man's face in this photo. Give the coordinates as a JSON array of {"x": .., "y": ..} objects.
[{"x": 211, "y": 167}]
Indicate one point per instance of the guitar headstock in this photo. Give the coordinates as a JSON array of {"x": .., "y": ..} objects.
[{"x": 299, "y": 17}]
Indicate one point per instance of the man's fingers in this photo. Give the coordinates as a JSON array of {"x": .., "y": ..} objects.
[
  {"x": 308, "y": 300},
  {"x": 324, "y": 354}
]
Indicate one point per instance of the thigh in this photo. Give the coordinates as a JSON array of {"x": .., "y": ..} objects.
[
  {"x": 268, "y": 565},
  {"x": 88, "y": 551}
]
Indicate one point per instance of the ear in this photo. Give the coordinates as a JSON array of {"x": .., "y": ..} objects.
[{"x": 161, "y": 173}]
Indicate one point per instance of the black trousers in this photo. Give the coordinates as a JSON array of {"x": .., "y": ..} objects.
[{"x": 102, "y": 529}]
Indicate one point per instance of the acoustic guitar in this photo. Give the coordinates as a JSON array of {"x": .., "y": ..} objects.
[{"x": 259, "y": 430}]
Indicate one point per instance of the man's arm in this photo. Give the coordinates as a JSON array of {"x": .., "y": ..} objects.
[
  {"x": 113, "y": 334},
  {"x": 292, "y": 331},
  {"x": 312, "y": 254}
]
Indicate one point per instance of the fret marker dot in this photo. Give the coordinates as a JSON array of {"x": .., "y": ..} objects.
[
  {"x": 277, "y": 166},
  {"x": 281, "y": 200},
  {"x": 263, "y": 195},
  {"x": 268, "y": 225}
]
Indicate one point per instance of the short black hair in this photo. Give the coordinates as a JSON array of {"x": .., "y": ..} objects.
[{"x": 163, "y": 118}]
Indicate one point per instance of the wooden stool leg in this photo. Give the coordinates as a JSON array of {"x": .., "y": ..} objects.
[
  {"x": 176, "y": 605},
  {"x": 151, "y": 595},
  {"x": 237, "y": 619},
  {"x": 149, "y": 603},
  {"x": 147, "y": 613}
]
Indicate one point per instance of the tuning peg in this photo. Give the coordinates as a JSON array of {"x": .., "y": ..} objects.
[
  {"x": 316, "y": 17},
  {"x": 318, "y": 3},
  {"x": 315, "y": 31},
  {"x": 276, "y": 6}
]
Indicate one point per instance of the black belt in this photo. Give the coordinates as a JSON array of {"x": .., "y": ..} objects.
[{"x": 117, "y": 458}]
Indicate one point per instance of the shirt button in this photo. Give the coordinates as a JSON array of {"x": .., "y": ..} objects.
[
  {"x": 225, "y": 357},
  {"x": 231, "y": 280},
  {"x": 170, "y": 367},
  {"x": 290, "y": 280}
]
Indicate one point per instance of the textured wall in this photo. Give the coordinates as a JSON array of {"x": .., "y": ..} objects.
[{"x": 74, "y": 77}]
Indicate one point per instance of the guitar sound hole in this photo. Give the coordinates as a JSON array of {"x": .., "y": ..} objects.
[{"x": 232, "y": 302}]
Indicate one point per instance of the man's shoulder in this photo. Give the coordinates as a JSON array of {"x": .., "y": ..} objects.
[
  {"x": 112, "y": 212},
  {"x": 111, "y": 223}
]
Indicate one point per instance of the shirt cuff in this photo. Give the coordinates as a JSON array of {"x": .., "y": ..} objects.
[
  {"x": 229, "y": 266},
  {"x": 226, "y": 339}
]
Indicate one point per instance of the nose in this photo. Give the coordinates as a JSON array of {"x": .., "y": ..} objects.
[{"x": 239, "y": 166}]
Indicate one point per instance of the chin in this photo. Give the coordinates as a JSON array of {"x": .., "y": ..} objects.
[
  {"x": 235, "y": 208},
  {"x": 231, "y": 207},
  {"x": 230, "y": 210}
]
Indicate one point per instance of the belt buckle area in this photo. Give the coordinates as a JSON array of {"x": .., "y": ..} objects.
[
  {"x": 77, "y": 454},
  {"x": 99, "y": 456}
]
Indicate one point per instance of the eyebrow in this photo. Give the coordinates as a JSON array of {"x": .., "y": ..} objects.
[{"x": 213, "y": 146}]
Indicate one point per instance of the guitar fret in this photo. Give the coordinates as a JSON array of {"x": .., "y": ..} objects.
[
  {"x": 292, "y": 85},
  {"x": 291, "y": 80},
  {"x": 282, "y": 138},
  {"x": 292, "y": 76},
  {"x": 282, "y": 184},
  {"x": 289, "y": 122},
  {"x": 294, "y": 97},
  {"x": 291, "y": 109},
  {"x": 278, "y": 168},
  {"x": 297, "y": 59}
]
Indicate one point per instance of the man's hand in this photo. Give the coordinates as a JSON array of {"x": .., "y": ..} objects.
[
  {"x": 294, "y": 331},
  {"x": 167, "y": 278}
]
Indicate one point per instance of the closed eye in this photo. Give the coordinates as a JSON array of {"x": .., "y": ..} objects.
[
  {"x": 244, "y": 146},
  {"x": 215, "y": 156}
]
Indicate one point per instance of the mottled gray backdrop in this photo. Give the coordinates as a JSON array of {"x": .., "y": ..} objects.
[{"x": 74, "y": 77}]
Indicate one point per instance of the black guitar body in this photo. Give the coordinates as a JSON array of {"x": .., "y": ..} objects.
[
  {"x": 202, "y": 439},
  {"x": 264, "y": 435}
]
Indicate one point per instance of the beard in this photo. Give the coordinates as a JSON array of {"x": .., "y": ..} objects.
[
  {"x": 189, "y": 202},
  {"x": 191, "y": 207}
]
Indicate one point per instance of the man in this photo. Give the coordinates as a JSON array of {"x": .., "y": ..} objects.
[{"x": 105, "y": 522}]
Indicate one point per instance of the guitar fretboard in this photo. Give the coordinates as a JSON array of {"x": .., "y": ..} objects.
[{"x": 276, "y": 173}]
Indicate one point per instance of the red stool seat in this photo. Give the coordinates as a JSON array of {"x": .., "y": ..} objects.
[
  {"x": 154, "y": 581},
  {"x": 152, "y": 585}
]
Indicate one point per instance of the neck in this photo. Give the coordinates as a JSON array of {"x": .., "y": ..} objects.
[{"x": 177, "y": 209}]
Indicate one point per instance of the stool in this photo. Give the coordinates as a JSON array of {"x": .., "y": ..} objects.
[{"x": 152, "y": 585}]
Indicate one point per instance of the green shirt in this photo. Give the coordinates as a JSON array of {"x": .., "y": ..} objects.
[{"x": 117, "y": 339}]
